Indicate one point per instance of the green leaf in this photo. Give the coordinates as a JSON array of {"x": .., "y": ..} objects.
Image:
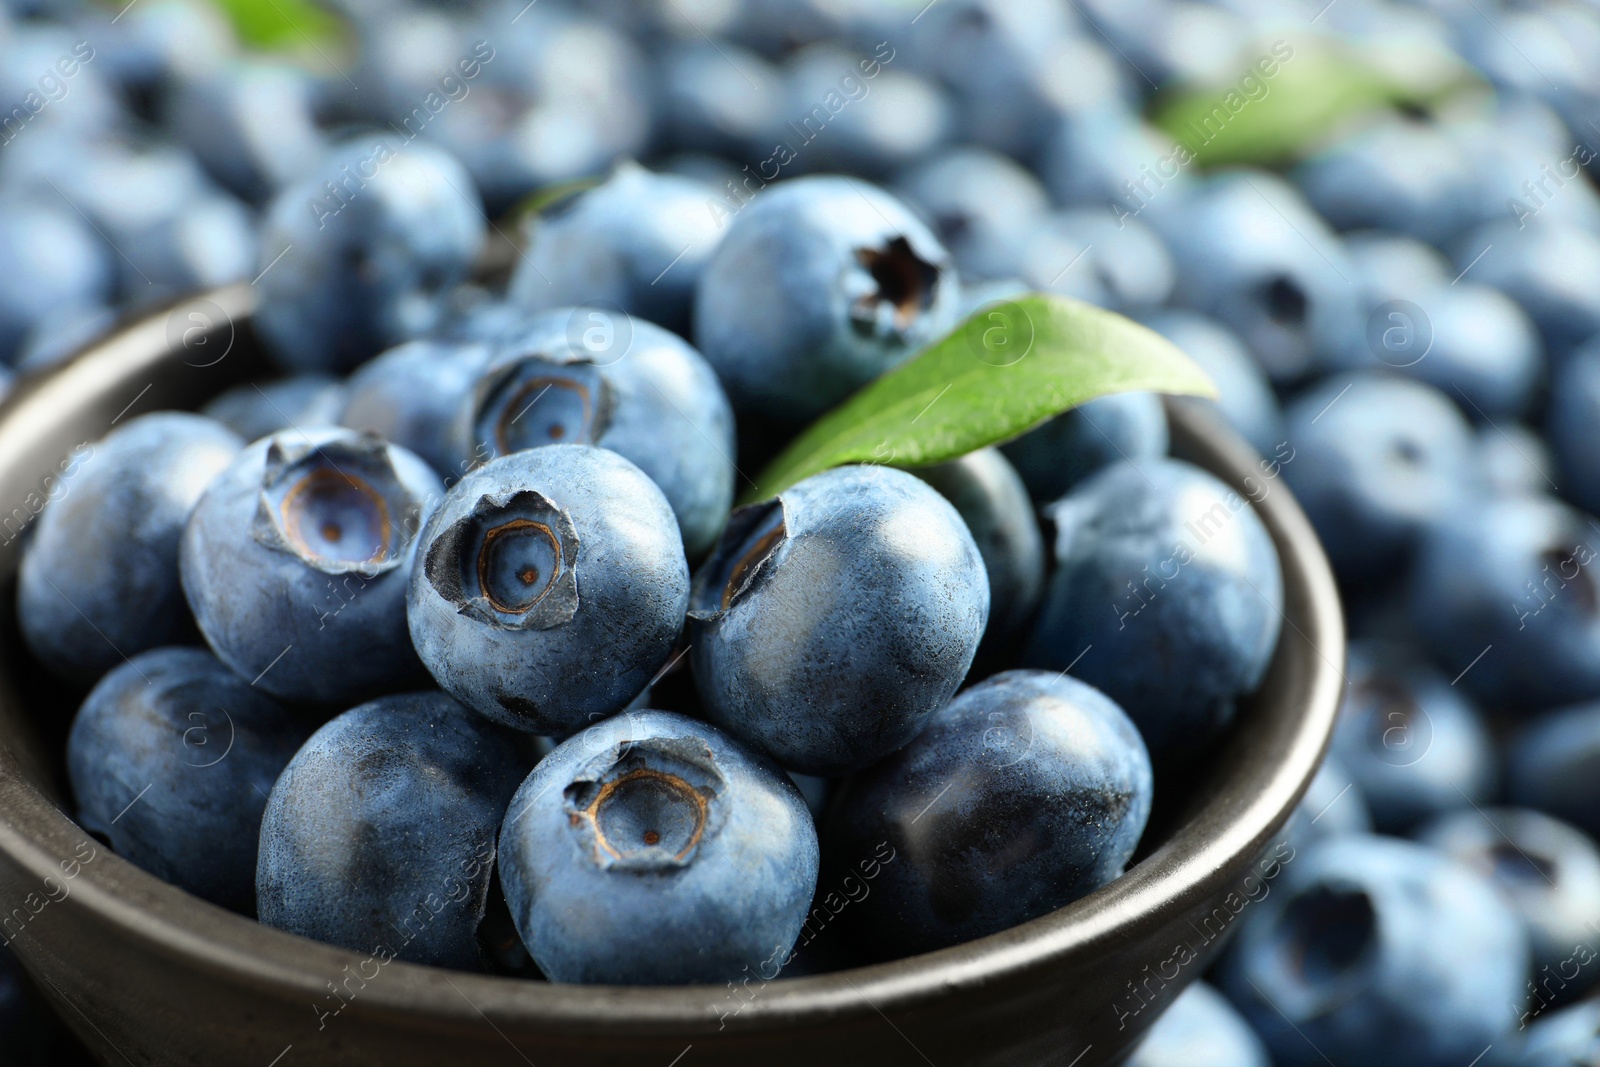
[
  {"x": 1007, "y": 368},
  {"x": 1323, "y": 88},
  {"x": 285, "y": 25}
]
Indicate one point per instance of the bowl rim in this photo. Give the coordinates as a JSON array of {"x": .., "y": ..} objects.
[{"x": 1233, "y": 825}]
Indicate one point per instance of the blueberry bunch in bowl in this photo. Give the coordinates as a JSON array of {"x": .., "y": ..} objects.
[
  {"x": 469, "y": 658},
  {"x": 452, "y": 643}
]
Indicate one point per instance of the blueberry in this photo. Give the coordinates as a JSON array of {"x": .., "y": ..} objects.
[
  {"x": 1166, "y": 594},
  {"x": 1513, "y": 459},
  {"x": 357, "y": 255},
  {"x": 651, "y": 849},
  {"x": 550, "y": 587},
  {"x": 1376, "y": 459},
  {"x": 829, "y": 624},
  {"x": 1403, "y": 175},
  {"x": 1553, "y": 765},
  {"x": 1244, "y": 395},
  {"x": 1567, "y": 1038},
  {"x": 99, "y": 581},
  {"x": 250, "y": 122},
  {"x": 255, "y": 410},
  {"x": 380, "y": 834},
  {"x": 1004, "y": 61},
  {"x": 531, "y": 97},
  {"x": 412, "y": 395},
  {"x": 592, "y": 376},
  {"x": 1472, "y": 342},
  {"x": 1330, "y": 967},
  {"x": 1026, "y": 792},
  {"x": 638, "y": 243},
  {"x": 1060, "y": 453},
  {"x": 1551, "y": 874},
  {"x": 820, "y": 285},
  {"x": 990, "y": 498},
  {"x": 1087, "y": 254},
  {"x": 1106, "y": 157},
  {"x": 1572, "y": 426},
  {"x": 1514, "y": 573},
  {"x": 851, "y": 112},
  {"x": 164, "y": 225},
  {"x": 1389, "y": 265},
  {"x": 1250, "y": 252},
  {"x": 171, "y": 759},
  {"x": 1540, "y": 264},
  {"x": 162, "y": 41},
  {"x": 1200, "y": 1029},
  {"x": 1414, "y": 744},
  {"x": 65, "y": 264},
  {"x": 296, "y": 559},
  {"x": 983, "y": 206},
  {"x": 716, "y": 97},
  {"x": 1333, "y": 805}
]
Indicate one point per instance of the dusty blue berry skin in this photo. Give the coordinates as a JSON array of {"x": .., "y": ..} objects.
[
  {"x": 1515, "y": 572},
  {"x": 412, "y": 394},
  {"x": 1201, "y": 1029},
  {"x": 252, "y": 124},
  {"x": 589, "y": 376},
  {"x": 199, "y": 748},
  {"x": 637, "y": 243},
  {"x": 380, "y": 834},
  {"x": 1572, "y": 426},
  {"x": 1553, "y": 765},
  {"x": 1251, "y": 253},
  {"x": 651, "y": 849},
  {"x": 989, "y": 496},
  {"x": 1541, "y": 264},
  {"x": 296, "y": 559},
  {"x": 1026, "y": 792},
  {"x": 369, "y": 261},
  {"x": 99, "y": 580},
  {"x": 820, "y": 285},
  {"x": 1566, "y": 1038},
  {"x": 1550, "y": 872},
  {"x": 1380, "y": 952},
  {"x": 829, "y": 625},
  {"x": 549, "y": 588},
  {"x": 1060, "y": 453},
  {"x": 64, "y": 262},
  {"x": 255, "y": 410},
  {"x": 1414, "y": 744},
  {"x": 1168, "y": 587},
  {"x": 1376, "y": 459}
]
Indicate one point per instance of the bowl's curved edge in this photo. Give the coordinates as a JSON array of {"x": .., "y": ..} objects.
[{"x": 1199, "y": 862}]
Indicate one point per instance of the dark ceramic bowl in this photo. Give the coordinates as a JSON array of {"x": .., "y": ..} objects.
[{"x": 146, "y": 974}]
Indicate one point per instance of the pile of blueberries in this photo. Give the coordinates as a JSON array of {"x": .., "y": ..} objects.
[{"x": 451, "y": 646}]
